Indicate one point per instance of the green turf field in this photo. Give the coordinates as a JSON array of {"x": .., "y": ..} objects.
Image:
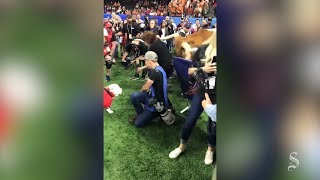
[{"x": 142, "y": 154}]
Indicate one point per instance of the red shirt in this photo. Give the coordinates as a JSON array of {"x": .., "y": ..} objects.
[
  {"x": 110, "y": 37},
  {"x": 4, "y": 121},
  {"x": 107, "y": 98}
]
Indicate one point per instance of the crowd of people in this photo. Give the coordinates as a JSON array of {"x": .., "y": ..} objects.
[
  {"x": 186, "y": 8},
  {"x": 139, "y": 43},
  {"x": 134, "y": 26}
]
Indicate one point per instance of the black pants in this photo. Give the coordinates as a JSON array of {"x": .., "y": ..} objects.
[
  {"x": 192, "y": 118},
  {"x": 211, "y": 133},
  {"x": 108, "y": 64}
]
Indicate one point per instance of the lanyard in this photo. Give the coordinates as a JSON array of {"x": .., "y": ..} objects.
[{"x": 130, "y": 28}]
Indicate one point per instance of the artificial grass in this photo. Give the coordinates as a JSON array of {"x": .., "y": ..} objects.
[{"x": 143, "y": 154}]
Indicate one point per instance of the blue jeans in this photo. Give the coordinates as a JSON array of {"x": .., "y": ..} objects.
[
  {"x": 193, "y": 116},
  {"x": 144, "y": 116}
]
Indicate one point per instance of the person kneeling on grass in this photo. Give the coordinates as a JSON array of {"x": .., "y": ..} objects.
[{"x": 153, "y": 93}]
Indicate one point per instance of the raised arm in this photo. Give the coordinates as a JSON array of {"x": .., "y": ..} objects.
[{"x": 170, "y": 36}]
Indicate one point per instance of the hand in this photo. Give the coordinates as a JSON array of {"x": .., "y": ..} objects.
[
  {"x": 136, "y": 61},
  {"x": 136, "y": 42},
  {"x": 206, "y": 101},
  {"x": 210, "y": 67},
  {"x": 139, "y": 69}
]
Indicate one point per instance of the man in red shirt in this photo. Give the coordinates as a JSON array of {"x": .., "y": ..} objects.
[
  {"x": 4, "y": 121},
  {"x": 109, "y": 48}
]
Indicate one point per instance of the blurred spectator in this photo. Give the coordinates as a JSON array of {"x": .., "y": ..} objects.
[
  {"x": 204, "y": 21},
  {"x": 169, "y": 25},
  {"x": 181, "y": 24},
  {"x": 139, "y": 20},
  {"x": 189, "y": 11},
  {"x": 187, "y": 5},
  {"x": 197, "y": 10},
  {"x": 173, "y": 25},
  {"x": 187, "y": 29},
  {"x": 163, "y": 30},
  {"x": 195, "y": 27},
  {"x": 205, "y": 9},
  {"x": 189, "y": 8},
  {"x": 130, "y": 30},
  {"x": 171, "y": 30},
  {"x": 187, "y": 22},
  {"x": 153, "y": 27}
]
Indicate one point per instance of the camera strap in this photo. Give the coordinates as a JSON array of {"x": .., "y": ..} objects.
[
  {"x": 165, "y": 85},
  {"x": 165, "y": 90},
  {"x": 130, "y": 33}
]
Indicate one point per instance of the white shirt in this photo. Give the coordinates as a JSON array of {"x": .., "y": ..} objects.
[
  {"x": 140, "y": 21},
  {"x": 163, "y": 30},
  {"x": 174, "y": 26},
  {"x": 105, "y": 32},
  {"x": 194, "y": 26}
]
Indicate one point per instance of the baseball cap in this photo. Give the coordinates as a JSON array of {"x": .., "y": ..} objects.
[{"x": 150, "y": 55}]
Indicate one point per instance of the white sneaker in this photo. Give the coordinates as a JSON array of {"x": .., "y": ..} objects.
[
  {"x": 109, "y": 110},
  {"x": 175, "y": 153},
  {"x": 208, "y": 160}
]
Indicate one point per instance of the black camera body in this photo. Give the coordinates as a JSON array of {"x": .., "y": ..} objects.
[
  {"x": 206, "y": 83},
  {"x": 146, "y": 22},
  {"x": 133, "y": 52}
]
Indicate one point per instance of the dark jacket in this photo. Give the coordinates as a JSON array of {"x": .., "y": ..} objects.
[{"x": 166, "y": 31}]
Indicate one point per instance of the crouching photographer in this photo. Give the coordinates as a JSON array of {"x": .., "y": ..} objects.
[
  {"x": 131, "y": 31},
  {"x": 135, "y": 55},
  {"x": 164, "y": 56},
  {"x": 153, "y": 95},
  {"x": 204, "y": 77}
]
